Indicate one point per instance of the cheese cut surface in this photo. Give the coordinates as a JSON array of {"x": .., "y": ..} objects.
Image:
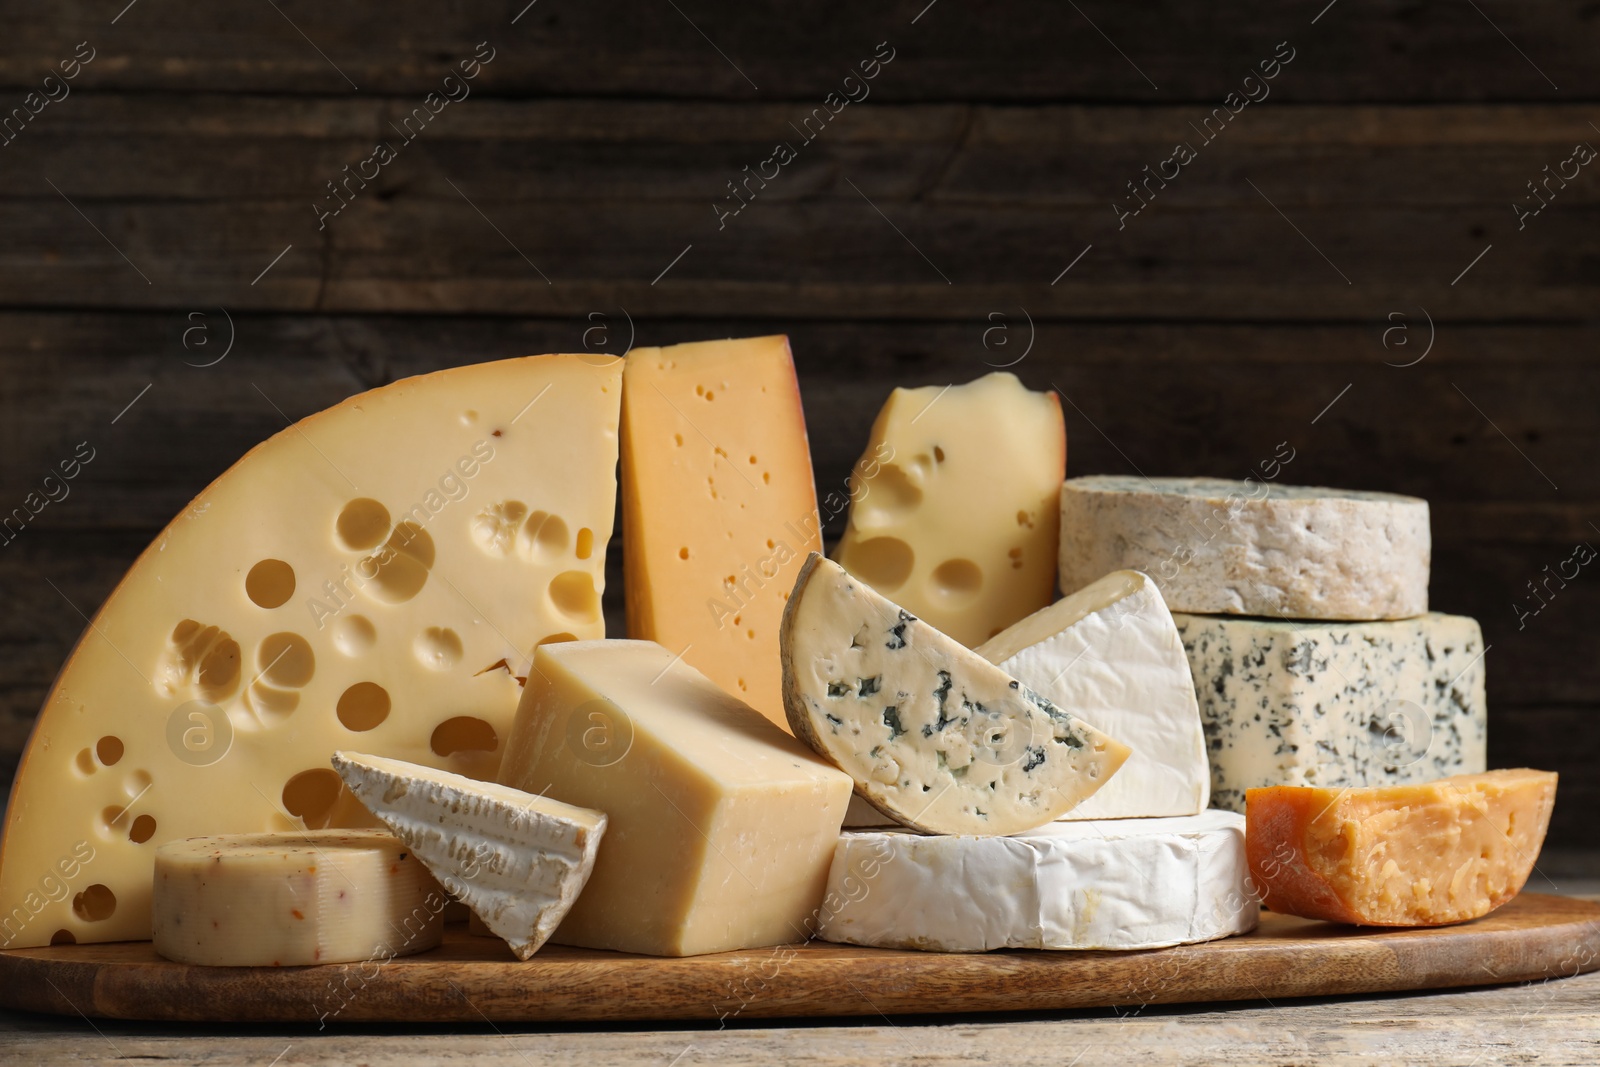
[
  {"x": 1337, "y": 704},
  {"x": 1110, "y": 655},
  {"x": 1224, "y": 547},
  {"x": 1117, "y": 884},
  {"x": 718, "y": 506},
  {"x": 1402, "y": 855},
  {"x": 720, "y": 825},
  {"x": 933, "y": 734},
  {"x": 955, "y": 504},
  {"x": 293, "y": 899},
  {"x": 376, "y": 575},
  {"x": 518, "y": 860}
]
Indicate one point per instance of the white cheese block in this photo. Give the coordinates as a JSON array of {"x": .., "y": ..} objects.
[
  {"x": 1113, "y": 884},
  {"x": 518, "y": 860},
  {"x": 720, "y": 826},
  {"x": 375, "y": 576},
  {"x": 293, "y": 899},
  {"x": 1110, "y": 655},
  {"x": 932, "y": 733},
  {"x": 1337, "y": 704},
  {"x": 1251, "y": 548}
]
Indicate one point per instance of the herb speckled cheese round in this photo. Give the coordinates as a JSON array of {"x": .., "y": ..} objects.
[
  {"x": 1222, "y": 547},
  {"x": 293, "y": 898},
  {"x": 1108, "y": 884}
]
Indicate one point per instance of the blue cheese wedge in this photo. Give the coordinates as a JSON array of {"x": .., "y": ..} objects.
[
  {"x": 1110, "y": 655},
  {"x": 933, "y": 734},
  {"x": 516, "y": 859},
  {"x": 1116, "y": 884},
  {"x": 1337, "y": 704}
]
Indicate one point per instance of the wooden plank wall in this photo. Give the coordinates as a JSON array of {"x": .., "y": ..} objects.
[{"x": 972, "y": 208}]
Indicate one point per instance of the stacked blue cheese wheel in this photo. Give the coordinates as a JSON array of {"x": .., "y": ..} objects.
[{"x": 1304, "y": 613}]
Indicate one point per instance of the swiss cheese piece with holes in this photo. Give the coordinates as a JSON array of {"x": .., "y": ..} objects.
[
  {"x": 1337, "y": 703},
  {"x": 1222, "y": 547},
  {"x": 1116, "y": 884},
  {"x": 376, "y": 575},
  {"x": 720, "y": 825},
  {"x": 293, "y": 899},
  {"x": 1399, "y": 855},
  {"x": 718, "y": 506},
  {"x": 932, "y": 733},
  {"x": 518, "y": 860},
  {"x": 1110, "y": 655},
  {"x": 954, "y": 505}
]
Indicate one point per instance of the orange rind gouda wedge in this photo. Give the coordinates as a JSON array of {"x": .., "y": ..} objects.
[{"x": 1402, "y": 855}]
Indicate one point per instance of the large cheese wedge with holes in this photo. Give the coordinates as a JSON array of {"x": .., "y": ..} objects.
[
  {"x": 720, "y": 826},
  {"x": 718, "y": 506},
  {"x": 293, "y": 899},
  {"x": 1110, "y": 654},
  {"x": 955, "y": 504},
  {"x": 933, "y": 734},
  {"x": 1398, "y": 855},
  {"x": 376, "y": 576},
  {"x": 518, "y": 860}
]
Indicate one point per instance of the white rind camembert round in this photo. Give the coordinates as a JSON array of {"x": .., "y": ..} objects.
[
  {"x": 1107, "y": 884},
  {"x": 1222, "y": 547}
]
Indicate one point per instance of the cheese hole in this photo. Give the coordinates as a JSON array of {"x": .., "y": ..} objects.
[
  {"x": 574, "y": 596},
  {"x": 938, "y": 454},
  {"x": 362, "y": 524},
  {"x": 683, "y": 553},
  {"x": 464, "y": 733},
  {"x": 200, "y": 661},
  {"x": 400, "y": 570},
  {"x": 95, "y": 903},
  {"x": 63, "y": 937},
  {"x": 363, "y": 706},
  {"x": 269, "y": 702},
  {"x": 354, "y": 634},
  {"x": 270, "y": 583},
  {"x": 136, "y": 783},
  {"x": 544, "y": 536},
  {"x": 882, "y": 562},
  {"x": 1022, "y": 519},
  {"x": 142, "y": 830},
  {"x": 286, "y": 660},
  {"x": 957, "y": 579},
  {"x": 887, "y": 496},
  {"x": 311, "y": 795},
  {"x": 752, "y": 461},
  {"x": 438, "y": 648},
  {"x": 585, "y": 542},
  {"x": 111, "y": 819},
  {"x": 556, "y": 639},
  {"x": 495, "y": 527},
  {"x": 85, "y": 762},
  {"x": 678, "y": 438},
  {"x": 108, "y": 750}
]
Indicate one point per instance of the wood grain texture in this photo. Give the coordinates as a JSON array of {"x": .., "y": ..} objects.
[
  {"x": 468, "y": 979},
  {"x": 1431, "y": 50}
]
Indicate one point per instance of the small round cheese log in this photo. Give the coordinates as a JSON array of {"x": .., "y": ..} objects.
[
  {"x": 934, "y": 735},
  {"x": 1221, "y": 547},
  {"x": 293, "y": 898},
  {"x": 1398, "y": 855},
  {"x": 1100, "y": 884}
]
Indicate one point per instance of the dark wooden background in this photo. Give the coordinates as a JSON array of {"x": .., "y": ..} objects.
[{"x": 1303, "y": 250}]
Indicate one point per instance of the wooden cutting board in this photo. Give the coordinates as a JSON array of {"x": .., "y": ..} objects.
[{"x": 472, "y": 979}]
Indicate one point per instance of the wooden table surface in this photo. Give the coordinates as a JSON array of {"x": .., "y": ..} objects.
[{"x": 1550, "y": 1022}]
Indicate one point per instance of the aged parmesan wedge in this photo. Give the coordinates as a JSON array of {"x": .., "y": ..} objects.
[
  {"x": 1399, "y": 855},
  {"x": 1110, "y": 654},
  {"x": 518, "y": 860},
  {"x": 932, "y": 733},
  {"x": 293, "y": 899}
]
